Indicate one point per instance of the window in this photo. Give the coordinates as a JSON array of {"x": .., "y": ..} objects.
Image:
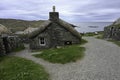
[
  {"x": 42, "y": 41},
  {"x": 68, "y": 43}
]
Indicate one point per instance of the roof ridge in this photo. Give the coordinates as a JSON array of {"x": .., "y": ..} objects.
[{"x": 41, "y": 28}]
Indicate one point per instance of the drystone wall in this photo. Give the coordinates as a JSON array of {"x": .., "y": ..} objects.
[
  {"x": 9, "y": 44},
  {"x": 2, "y": 48},
  {"x": 112, "y": 32}
]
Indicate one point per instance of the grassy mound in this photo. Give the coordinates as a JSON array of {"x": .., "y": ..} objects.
[
  {"x": 62, "y": 55},
  {"x": 89, "y": 34},
  {"x": 14, "y": 68}
]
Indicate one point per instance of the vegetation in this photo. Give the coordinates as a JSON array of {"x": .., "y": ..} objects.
[
  {"x": 64, "y": 54},
  {"x": 93, "y": 33},
  {"x": 116, "y": 42},
  {"x": 83, "y": 41},
  {"x": 90, "y": 34},
  {"x": 19, "y": 25},
  {"x": 99, "y": 37},
  {"x": 15, "y": 68},
  {"x": 116, "y": 25}
]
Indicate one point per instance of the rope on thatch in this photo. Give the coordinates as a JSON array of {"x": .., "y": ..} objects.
[
  {"x": 70, "y": 28},
  {"x": 40, "y": 29}
]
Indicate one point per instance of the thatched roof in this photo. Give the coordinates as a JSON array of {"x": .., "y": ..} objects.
[
  {"x": 117, "y": 21},
  {"x": 29, "y": 30},
  {"x": 64, "y": 24},
  {"x": 40, "y": 29},
  {"x": 3, "y": 29},
  {"x": 70, "y": 28}
]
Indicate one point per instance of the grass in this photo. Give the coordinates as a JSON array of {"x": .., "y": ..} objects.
[
  {"x": 99, "y": 37},
  {"x": 15, "y": 68},
  {"x": 89, "y": 34},
  {"x": 83, "y": 41},
  {"x": 115, "y": 42},
  {"x": 64, "y": 54}
]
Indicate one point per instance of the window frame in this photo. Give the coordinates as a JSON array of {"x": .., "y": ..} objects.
[{"x": 42, "y": 41}]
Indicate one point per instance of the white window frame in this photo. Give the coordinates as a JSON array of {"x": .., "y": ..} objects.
[{"x": 42, "y": 41}]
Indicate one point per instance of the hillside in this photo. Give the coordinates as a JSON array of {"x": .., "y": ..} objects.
[{"x": 19, "y": 25}]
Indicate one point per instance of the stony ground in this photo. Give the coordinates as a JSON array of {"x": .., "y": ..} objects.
[{"x": 101, "y": 62}]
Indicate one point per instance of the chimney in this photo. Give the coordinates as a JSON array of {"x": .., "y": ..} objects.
[{"x": 54, "y": 16}]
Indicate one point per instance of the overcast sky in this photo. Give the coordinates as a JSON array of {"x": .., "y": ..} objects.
[{"x": 70, "y": 10}]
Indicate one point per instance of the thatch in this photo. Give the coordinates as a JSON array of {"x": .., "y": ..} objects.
[
  {"x": 3, "y": 29},
  {"x": 73, "y": 25},
  {"x": 69, "y": 28},
  {"x": 29, "y": 30},
  {"x": 64, "y": 24},
  {"x": 40, "y": 29},
  {"x": 117, "y": 22}
]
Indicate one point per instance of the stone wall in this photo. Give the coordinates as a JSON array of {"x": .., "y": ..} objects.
[
  {"x": 112, "y": 32},
  {"x": 9, "y": 43},
  {"x": 2, "y": 48}
]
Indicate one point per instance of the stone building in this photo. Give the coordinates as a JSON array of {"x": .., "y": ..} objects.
[
  {"x": 8, "y": 41},
  {"x": 113, "y": 31},
  {"x": 54, "y": 32},
  {"x": 3, "y": 30}
]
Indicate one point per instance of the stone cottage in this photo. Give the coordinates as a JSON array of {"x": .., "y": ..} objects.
[
  {"x": 113, "y": 31},
  {"x": 8, "y": 41},
  {"x": 54, "y": 32}
]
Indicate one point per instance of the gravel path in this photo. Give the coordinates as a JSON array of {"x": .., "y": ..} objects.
[{"x": 101, "y": 62}]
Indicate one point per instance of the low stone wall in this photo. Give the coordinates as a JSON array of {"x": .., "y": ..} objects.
[
  {"x": 9, "y": 44},
  {"x": 2, "y": 48},
  {"x": 112, "y": 33}
]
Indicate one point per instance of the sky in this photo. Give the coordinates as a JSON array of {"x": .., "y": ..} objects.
[{"x": 69, "y": 10}]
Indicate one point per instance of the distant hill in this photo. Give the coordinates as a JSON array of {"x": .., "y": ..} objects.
[{"x": 19, "y": 25}]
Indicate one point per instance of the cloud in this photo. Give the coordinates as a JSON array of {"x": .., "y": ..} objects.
[{"x": 72, "y": 11}]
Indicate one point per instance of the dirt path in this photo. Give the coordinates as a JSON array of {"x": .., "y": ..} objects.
[{"x": 101, "y": 62}]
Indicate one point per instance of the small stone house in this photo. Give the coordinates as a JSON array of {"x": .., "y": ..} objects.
[
  {"x": 54, "y": 32},
  {"x": 8, "y": 41},
  {"x": 113, "y": 31}
]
